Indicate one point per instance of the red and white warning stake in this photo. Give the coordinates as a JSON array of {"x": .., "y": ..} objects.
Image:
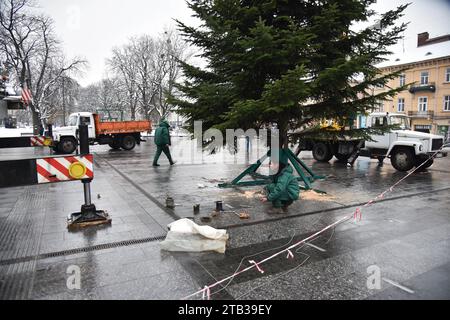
[{"x": 69, "y": 168}]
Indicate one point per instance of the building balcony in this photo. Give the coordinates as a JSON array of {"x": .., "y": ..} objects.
[
  {"x": 429, "y": 87},
  {"x": 442, "y": 116},
  {"x": 421, "y": 114}
]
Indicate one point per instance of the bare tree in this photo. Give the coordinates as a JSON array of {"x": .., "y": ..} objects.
[
  {"x": 61, "y": 100},
  {"x": 89, "y": 98},
  {"x": 171, "y": 50},
  {"x": 105, "y": 97},
  {"x": 123, "y": 66},
  {"x": 31, "y": 48},
  {"x": 147, "y": 68}
]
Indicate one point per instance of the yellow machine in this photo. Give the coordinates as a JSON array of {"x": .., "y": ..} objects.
[{"x": 332, "y": 124}]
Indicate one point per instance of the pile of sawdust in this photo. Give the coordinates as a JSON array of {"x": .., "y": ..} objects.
[
  {"x": 253, "y": 194},
  {"x": 316, "y": 196}
]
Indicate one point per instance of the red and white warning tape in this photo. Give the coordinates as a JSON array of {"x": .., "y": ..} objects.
[
  {"x": 60, "y": 169},
  {"x": 206, "y": 291}
]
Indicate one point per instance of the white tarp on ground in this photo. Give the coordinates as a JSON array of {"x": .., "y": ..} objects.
[{"x": 185, "y": 235}]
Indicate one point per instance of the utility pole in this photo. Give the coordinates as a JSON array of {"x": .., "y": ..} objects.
[{"x": 64, "y": 102}]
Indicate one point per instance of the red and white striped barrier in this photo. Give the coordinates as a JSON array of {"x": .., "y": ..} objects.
[
  {"x": 61, "y": 169},
  {"x": 38, "y": 141}
]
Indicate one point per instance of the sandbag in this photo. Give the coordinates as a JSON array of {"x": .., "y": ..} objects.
[{"x": 186, "y": 236}]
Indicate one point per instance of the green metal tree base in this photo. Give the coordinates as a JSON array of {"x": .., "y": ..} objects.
[{"x": 307, "y": 176}]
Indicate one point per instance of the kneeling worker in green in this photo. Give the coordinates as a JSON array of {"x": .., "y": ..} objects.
[
  {"x": 162, "y": 141},
  {"x": 285, "y": 189}
]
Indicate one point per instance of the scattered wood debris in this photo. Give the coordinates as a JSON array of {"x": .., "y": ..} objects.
[{"x": 316, "y": 196}]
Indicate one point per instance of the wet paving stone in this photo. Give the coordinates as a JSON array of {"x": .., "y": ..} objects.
[{"x": 406, "y": 235}]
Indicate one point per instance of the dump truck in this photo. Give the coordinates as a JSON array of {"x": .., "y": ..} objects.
[
  {"x": 405, "y": 148},
  {"x": 121, "y": 134}
]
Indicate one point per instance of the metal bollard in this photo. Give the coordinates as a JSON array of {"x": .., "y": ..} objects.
[
  {"x": 219, "y": 206},
  {"x": 89, "y": 215},
  {"x": 83, "y": 135},
  {"x": 50, "y": 131}
]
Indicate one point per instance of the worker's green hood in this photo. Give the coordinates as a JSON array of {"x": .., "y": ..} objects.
[
  {"x": 285, "y": 186},
  {"x": 164, "y": 123},
  {"x": 162, "y": 134}
]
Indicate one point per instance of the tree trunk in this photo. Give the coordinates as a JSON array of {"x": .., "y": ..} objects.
[
  {"x": 283, "y": 132},
  {"x": 36, "y": 123}
]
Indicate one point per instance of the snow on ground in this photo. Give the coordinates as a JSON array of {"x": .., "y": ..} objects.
[{"x": 19, "y": 132}]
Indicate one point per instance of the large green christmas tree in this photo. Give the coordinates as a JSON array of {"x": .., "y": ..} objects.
[{"x": 289, "y": 62}]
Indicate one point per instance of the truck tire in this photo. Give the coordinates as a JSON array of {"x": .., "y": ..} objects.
[
  {"x": 403, "y": 159},
  {"x": 115, "y": 144},
  {"x": 67, "y": 145},
  {"x": 322, "y": 152},
  {"x": 342, "y": 157},
  {"x": 428, "y": 163},
  {"x": 128, "y": 143}
]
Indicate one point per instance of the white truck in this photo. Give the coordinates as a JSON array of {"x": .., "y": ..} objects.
[
  {"x": 405, "y": 148},
  {"x": 117, "y": 134}
]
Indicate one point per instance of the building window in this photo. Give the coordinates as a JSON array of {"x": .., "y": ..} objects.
[
  {"x": 402, "y": 80},
  {"x": 401, "y": 105},
  {"x": 422, "y": 128},
  {"x": 447, "y": 75},
  {"x": 424, "y": 77},
  {"x": 446, "y": 103},
  {"x": 423, "y": 104},
  {"x": 379, "y": 107}
]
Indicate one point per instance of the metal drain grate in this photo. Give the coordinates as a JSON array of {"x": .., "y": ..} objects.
[{"x": 69, "y": 252}]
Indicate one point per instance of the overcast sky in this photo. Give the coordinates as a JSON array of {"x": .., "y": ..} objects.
[{"x": 91, "y": 28}]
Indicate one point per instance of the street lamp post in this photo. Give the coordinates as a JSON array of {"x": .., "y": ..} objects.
[{"x": 64, "y": 102}]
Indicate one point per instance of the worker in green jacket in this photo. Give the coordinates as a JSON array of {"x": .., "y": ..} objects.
[
  {"x": 285, "y": 189},
  {"x": 162, "y": 141}
]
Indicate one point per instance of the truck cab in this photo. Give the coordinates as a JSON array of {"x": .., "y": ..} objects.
[
  {"x": 83, "y": 118},
  {"x": 65, "y": 138},
  {"x": 405, "y": 148}
]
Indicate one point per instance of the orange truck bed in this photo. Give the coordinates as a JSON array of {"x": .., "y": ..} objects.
[{"x": 121, "y": 127}]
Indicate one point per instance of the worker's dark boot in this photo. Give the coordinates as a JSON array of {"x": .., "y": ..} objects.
[
  {"x": 276, "y": 211},
  {"x": 156, "y": 165},
  {"x": 286, "y": 205}
]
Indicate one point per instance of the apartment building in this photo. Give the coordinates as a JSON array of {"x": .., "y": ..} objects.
[{"x": 427, "y": 101}]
